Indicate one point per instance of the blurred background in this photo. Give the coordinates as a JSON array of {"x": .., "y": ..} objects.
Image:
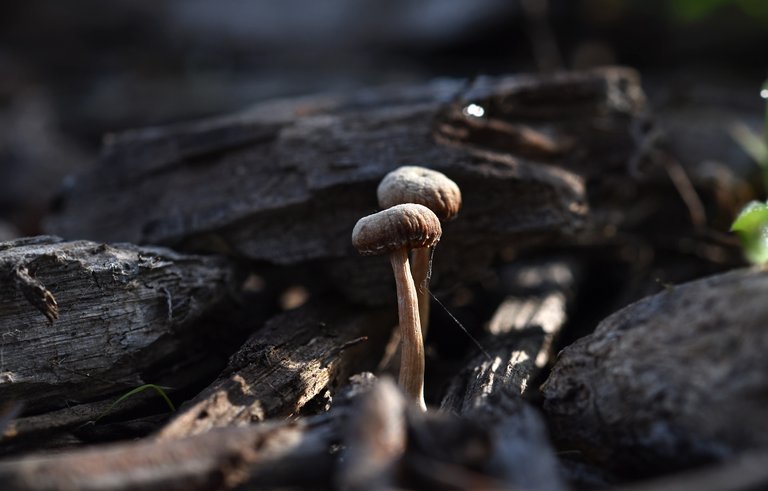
[{"x": 71, "y": 72}]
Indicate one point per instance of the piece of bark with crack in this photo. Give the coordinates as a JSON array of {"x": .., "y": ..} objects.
[
  {"x": 119, "y": 309},
  {"x": 671, "y": 381},
  {"x": 296, "y": 356},
  {"x": 286, "y": 181}
]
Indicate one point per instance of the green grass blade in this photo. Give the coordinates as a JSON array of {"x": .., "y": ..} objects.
[{"x": 135, "y": 391}]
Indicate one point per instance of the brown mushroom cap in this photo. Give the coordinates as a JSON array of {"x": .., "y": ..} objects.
[
  {"x": 409, "y": 226},
  {"x": 413, "y": 184}
]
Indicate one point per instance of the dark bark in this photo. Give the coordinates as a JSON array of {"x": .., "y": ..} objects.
[
  {"x": 81, "y": 319},
  {"x": 381, "y": 441},
  {"x": 286, "y": 181},
  {"x": 673, "y": 380}
]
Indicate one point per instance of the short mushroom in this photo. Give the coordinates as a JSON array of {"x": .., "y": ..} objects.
[
  {"x": 395, "y": 231},
  {"x": 433, "y": 189}
]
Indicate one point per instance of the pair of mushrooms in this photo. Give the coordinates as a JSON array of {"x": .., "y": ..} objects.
[{"x": 416, "y": 200}]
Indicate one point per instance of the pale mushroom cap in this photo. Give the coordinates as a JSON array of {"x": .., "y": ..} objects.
[
  {"x": 408, "y": 226},
  {"x": 413, "y": 184}
]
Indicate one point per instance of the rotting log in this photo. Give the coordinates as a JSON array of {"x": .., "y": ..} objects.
[
  {"x": 296, "y": 356},
  {"x": 82, "y": 319},
  {"x": 674, "y": 380},
  {"x": 286, "y": 181}
]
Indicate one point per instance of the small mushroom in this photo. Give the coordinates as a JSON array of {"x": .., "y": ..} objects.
[
  {"x": 433, "y": 189},
  {"x": 395, "y": 231}
]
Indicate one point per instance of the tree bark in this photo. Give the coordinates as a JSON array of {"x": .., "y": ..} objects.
[
  {"x": 670, "y": 381},
  {"x": 79, "y": 319}
]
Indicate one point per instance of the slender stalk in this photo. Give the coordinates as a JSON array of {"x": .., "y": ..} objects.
[
  {"x": 420, "y": 269},
  {"x": 412, "y": 345}
]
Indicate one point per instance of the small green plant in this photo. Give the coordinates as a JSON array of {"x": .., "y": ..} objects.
[
  {"x": 752, "y": 228},
  {"x": 133, "y": 392}
]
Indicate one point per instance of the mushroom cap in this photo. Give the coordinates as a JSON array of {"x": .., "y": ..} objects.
[
  {"x": 407, "y": 226},
  {"x": 413, "y": 184}
]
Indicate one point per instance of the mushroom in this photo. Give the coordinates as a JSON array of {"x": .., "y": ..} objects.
[
  {"x": 433, "y": 189},
  {"x": 395, "y": 231}
]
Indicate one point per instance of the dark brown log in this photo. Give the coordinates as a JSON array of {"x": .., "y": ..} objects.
[
  {"x": 671, "y": 381},
  {"x": 81, "y": 319},
  {"x": 286, "y": 181},
  {"x": 295, "y": 357}
]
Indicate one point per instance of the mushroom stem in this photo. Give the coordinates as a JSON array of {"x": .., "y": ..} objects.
[
  {"x": 412, "y": 344},
  {"x": 420, "y": 269}
]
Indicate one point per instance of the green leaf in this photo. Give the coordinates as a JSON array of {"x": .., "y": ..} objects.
[{"x": 752, "y": 228}]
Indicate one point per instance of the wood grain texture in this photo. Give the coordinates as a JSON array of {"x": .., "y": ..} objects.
[
  {"x": 120, "y": 309},
  {"x": 294, "y": 358},
  {"x": 673, "y": 380}
]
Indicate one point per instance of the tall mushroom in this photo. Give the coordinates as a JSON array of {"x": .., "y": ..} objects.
[
  {"x": 395, "y": 231},
  {"x": 433, "y": 189}
]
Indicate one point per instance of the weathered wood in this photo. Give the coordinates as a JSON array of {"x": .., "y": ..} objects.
[
  {"x": 286, "y": 181},
  {"x": 280, "y": 455},
  {"x": 520, "y": 335},
  {"x": 222, "y": 459},
  {"x": 671, "y": 381},
  {"x": 81, "y": 319},
  {"x": 488, "y": 391},
  {"x": 291, "y": 360}
]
